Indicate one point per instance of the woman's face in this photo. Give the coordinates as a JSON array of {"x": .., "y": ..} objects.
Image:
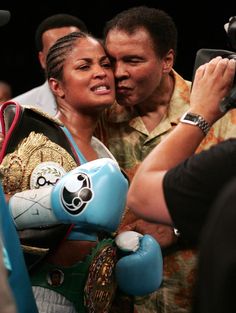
[{"x": 88, "y": 80}]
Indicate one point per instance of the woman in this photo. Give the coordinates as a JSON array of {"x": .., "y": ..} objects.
[
  {"x": 81, "y": 78},
  {"x": 91, "y": 79}
]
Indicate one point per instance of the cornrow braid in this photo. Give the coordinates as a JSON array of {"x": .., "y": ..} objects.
[{"x": 58, "y": 52}]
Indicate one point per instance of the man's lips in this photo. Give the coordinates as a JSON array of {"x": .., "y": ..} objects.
[{"x": 123, "y": 90}]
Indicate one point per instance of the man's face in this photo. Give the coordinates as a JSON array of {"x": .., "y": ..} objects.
[
  {"x": 50, "y": 37},
  {"x": 137, "y": 68}
]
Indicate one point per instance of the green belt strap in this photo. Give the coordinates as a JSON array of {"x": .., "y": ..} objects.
[{"x": 75, "y": 277}]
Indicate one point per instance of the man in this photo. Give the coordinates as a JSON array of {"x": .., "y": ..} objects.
[
  {"x": 141, "y": 43},
  {"x": 48, "y": 31},
  {"x": 132, "y": 128},
  {"x": 152, "y": 97},
  {"x": 198, "y": 195}
]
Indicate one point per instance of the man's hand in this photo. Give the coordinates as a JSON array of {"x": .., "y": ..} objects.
[
  {"x": 212, "y": 82},
  {"x": 164, "y": 234}
]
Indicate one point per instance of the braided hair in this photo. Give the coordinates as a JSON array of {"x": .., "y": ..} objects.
[{"x": 58, "y": 53}]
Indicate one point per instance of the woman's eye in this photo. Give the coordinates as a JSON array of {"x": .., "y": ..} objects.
[{"x": 83, "y": 67}]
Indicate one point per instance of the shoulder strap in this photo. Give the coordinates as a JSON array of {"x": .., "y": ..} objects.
[
  {"x": 81, "y": 157},
  {"x": 18, "y": 122},
  {"x": 9, "y": 115}
]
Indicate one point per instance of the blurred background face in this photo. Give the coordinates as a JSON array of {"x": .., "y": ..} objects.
[
  {"x": 137, "y": 68},
  {"x": 88, "y": 80},
  {"x": 50, "y": 37},
  {"x": 5, "y": 92}
]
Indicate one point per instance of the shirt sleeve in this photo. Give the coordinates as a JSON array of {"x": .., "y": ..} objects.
[{"x": 191, "y": 187}]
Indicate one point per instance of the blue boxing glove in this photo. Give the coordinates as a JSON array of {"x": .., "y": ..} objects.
[
  {"x": 140, "y": 271},
  {"x": 92, "y": 196}
]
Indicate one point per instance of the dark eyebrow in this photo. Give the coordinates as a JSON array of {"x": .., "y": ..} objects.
[
  {"x": 104, "y": 57},
  {"x": 133, "y": 56}
]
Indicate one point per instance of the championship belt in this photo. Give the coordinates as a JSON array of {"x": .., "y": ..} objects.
[
  {"x": 35, "y": 152},
  {"x": 100, "y": 287}
]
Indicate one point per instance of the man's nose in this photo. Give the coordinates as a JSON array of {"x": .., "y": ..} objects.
[{"x": 120, "y": 70}]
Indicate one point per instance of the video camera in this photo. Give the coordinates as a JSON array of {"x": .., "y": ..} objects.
[{"x": 205, "y": 55}]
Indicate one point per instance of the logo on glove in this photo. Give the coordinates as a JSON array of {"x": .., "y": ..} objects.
[{"x": 77, "y": 193}]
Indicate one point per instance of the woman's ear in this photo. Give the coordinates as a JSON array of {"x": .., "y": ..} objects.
[{"x": 56, "y": 88}]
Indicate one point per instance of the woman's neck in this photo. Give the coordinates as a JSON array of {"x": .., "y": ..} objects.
[{"x": 81, "y": 127}]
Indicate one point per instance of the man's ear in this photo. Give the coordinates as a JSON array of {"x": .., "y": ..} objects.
[
  {"x": 56, "y": 88},
  {"x": 168, "y": 61},
  {"x": 42, "y": 60}
]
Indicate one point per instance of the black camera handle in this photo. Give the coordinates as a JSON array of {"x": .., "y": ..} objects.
[{"x": 229, "y": 102}]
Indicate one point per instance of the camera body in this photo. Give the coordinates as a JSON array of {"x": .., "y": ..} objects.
[{"x": 205, "y": 55}]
